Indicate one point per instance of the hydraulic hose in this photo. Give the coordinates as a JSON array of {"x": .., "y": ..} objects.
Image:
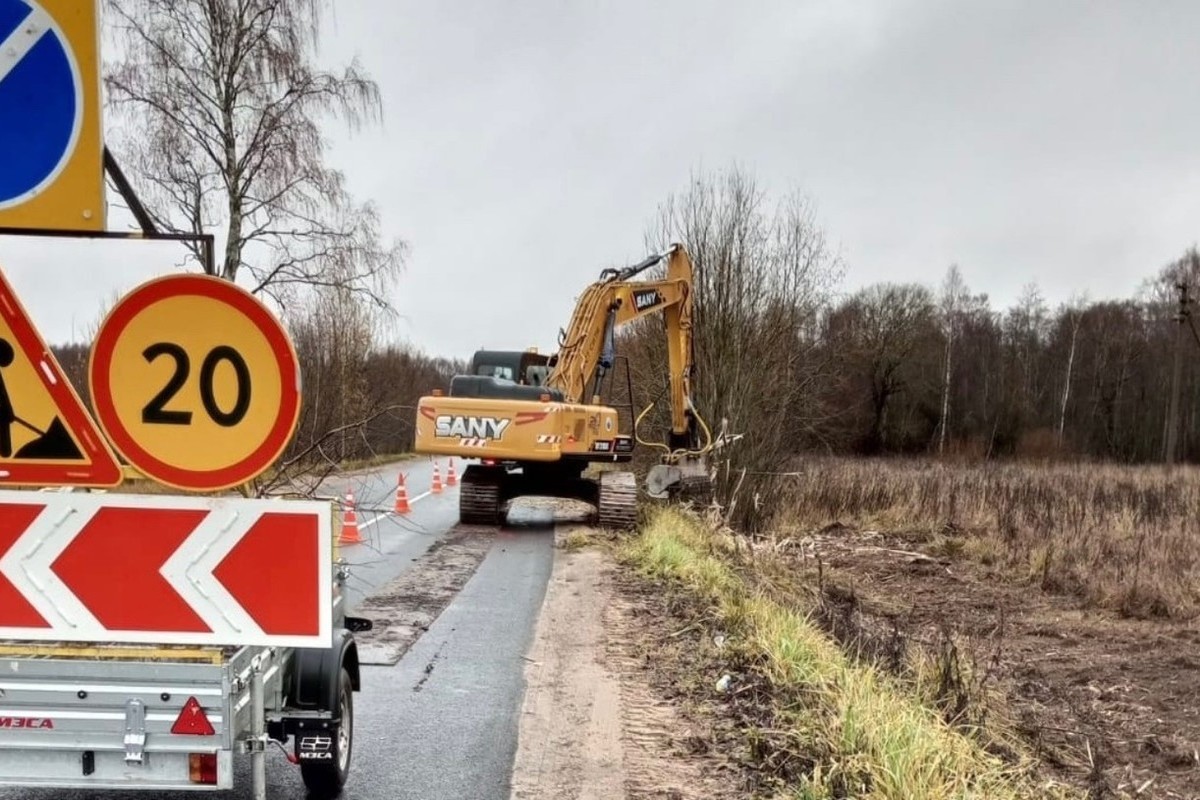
[{"x": 682, "y": 451}]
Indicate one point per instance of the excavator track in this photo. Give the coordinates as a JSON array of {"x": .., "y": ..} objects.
[
  {"x": 480, "y": 496},
  {"x": 617, "y": 504}
]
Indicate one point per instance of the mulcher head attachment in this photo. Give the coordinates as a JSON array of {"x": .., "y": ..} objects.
[{"x": 689, "y": 480}]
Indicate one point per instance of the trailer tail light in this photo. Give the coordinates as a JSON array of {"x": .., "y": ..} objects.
[
  {"x": 192, "y": 721},
  {"x": 202, "y": 768}
]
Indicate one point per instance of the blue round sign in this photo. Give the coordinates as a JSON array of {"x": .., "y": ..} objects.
[{"x": 41, "y": 100}]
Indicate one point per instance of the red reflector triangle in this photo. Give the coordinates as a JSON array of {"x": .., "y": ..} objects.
[{"x": 192, "y": 720}]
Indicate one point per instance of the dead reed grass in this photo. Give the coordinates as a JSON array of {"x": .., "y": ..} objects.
[{"x": 1118, "y": 537}]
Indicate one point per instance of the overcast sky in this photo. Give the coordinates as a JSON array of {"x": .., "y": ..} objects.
[{"x": 526, "y": 146}]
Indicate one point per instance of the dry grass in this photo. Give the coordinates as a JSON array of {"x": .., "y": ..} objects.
[
  {"x": 860, "y": 732},
  {"x": 1122, "y": 538},
  {"x": 577, "y": 539}
]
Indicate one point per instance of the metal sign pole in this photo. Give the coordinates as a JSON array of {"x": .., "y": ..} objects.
[
  {"x": 149, "y": 231},
  {"x": 258, "y": 757}
]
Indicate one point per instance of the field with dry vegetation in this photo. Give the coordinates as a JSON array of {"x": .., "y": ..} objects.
[
  {"x": 1047, "y": 614},
  {"x": 1118, "y": 538}
]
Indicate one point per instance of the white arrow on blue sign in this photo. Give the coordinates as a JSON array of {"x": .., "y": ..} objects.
[{"x": 41, "y": 100}]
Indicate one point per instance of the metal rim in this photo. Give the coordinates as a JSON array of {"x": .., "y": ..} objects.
[{"x": 344, "y": 732}]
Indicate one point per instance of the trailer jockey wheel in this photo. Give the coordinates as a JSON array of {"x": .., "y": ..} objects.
[{"x": 325, "y": 777}]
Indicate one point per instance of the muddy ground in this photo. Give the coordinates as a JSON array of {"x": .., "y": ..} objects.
[
  {"x": 405, "y": 608},
  {"x": 1110, "y": 704}
]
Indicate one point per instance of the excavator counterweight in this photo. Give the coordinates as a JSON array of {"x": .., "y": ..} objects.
[{"x": 536, "y": 422}]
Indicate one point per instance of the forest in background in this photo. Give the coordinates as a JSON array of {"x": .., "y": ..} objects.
[{"x": 929, "y": 367}]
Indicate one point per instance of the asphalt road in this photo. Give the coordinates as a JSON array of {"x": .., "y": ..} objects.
[
  {"x": 393, "y": 542},
  {"x": 442, "y": 723}
]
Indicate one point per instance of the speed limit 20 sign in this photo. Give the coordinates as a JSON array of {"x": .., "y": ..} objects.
[{"x": 195, "y": 382}]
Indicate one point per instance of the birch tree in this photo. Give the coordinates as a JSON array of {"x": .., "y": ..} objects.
[
  {"x": 1072, "y": 314},
  {"x": 219, "y": 106},
  {"x": 950, "y": 305}
]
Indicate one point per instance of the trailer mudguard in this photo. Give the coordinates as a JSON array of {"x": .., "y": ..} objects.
[{"x": 315, "y": 678}]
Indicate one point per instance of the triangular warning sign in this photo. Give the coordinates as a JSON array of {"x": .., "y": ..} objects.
[
  {"x": 47, "y": 437},
  {"x": 192, "y": 720}
]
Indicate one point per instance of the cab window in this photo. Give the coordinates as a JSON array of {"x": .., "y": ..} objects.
[{"x": 495, "y": 371}]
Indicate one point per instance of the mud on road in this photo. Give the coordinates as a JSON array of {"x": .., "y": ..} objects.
[{"x": 405, "y": 608}]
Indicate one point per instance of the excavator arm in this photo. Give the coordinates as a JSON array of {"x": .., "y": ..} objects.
[{"x": 586, "y": 349}]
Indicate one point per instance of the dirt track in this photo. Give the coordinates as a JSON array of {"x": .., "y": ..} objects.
[{"x": 595, "y": 724}]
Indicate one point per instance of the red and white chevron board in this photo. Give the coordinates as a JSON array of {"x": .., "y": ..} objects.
[{"x": 78, "y": 567}]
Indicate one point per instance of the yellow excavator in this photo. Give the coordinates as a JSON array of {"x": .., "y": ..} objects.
[{"x": 536, "y": 422}]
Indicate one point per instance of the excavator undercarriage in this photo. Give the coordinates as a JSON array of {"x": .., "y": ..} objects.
[{"x": 485, "y": 489}]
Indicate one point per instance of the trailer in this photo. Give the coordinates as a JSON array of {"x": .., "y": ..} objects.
[{"x": 171, "y": 715}]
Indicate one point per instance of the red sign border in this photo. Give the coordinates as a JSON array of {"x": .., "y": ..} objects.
[
  {"x": 100, "y": 365},
  {"x": 103, "y": 470}
]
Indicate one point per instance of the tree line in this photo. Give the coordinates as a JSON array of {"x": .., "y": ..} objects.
[
  {"x": 916, "y": 367},
  {"x": 937, "y": 369}
]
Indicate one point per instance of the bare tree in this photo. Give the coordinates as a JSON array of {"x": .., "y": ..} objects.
[
  {"x": 1073, "y": 314},
  {"x": 764, "y": 271},
  {"x": 890, "y": 325},
  {"x": 222, "y": 108},
  {"x": 953, "y": 297}
]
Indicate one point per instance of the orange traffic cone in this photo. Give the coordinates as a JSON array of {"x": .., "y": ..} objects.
[
  {"x": 350, "y": 534},
  {"x": 451, "y": 478},
  {"x": 402, "y": 506},
  {"x": 437, "y": 480}
]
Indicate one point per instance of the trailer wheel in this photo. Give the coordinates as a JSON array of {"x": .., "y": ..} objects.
[{"x": 325, "y": 781}]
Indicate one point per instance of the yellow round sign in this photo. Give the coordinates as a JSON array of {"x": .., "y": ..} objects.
[{"x": 195, "y": 382}]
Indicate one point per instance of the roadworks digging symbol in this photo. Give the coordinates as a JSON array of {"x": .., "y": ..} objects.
[
  {"x": 46, "y": 435},
  {"x": 52, "y": 443}
]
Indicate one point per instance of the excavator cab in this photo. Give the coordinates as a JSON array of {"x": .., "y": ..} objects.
[
  {"x": 506, "y": 375},
  {"x": 526, "y": 367}
]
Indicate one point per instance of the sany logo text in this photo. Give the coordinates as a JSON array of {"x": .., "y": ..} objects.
[
  {"x": 644, "y": 300},
  {"x": 471, "y": 427}
]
